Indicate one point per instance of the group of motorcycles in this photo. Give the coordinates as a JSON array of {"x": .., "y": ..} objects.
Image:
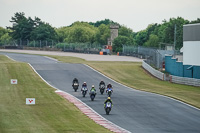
[
  {"x": 102, "y": 89},
  {"x": 92, "y": 94}
]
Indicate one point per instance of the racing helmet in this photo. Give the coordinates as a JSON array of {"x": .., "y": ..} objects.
[
  {"x": 109, "y": 98},
  {"x": 92, "y": 86}
]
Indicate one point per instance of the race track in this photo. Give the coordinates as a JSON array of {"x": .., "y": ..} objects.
[{"x": 133, "y": 110}]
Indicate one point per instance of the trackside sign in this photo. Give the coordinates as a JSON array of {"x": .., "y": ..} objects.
[
  {"x": 13, "y": 81},
  {"x": 30, "y": 101}
]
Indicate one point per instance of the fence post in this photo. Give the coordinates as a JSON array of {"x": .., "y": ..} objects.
[
  {"x": 34, "y": 43},
  {"x": 40, "y": 44},
  {"x": 64, "y": 47}
]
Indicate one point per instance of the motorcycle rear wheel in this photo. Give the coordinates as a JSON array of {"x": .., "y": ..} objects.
[{"x": 107, "y": 111}]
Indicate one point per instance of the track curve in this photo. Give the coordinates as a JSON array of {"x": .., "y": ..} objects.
[{"x": 133, "y": 110}]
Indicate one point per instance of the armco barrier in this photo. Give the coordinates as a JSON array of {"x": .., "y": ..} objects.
[
  {"x": 154, "y": 72},
  {"x": 184, "y": 80},
  {"x": 174, "y": 79}
]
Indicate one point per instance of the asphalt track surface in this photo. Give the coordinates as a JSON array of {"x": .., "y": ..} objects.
[
  {"x": 133, "y": 110},
  {"x": 88, "y": 57}
]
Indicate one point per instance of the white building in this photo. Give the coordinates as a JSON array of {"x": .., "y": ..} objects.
[{"x": 191, "y": 44}]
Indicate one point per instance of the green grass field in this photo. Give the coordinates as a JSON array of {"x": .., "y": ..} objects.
[
  {"x": 52, "y": 113},
  {"x": 133, "y": 75}
]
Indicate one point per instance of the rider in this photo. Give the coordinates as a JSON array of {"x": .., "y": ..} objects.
[
  {"x": 84, "y": 85},
  {"x": 93, "y": 89},
  {"x": 101, "y": 83},
  {"x": 109, "y": 87},
  {"x": 75, "y": 80},
  {"x": 108, "y": 100}
]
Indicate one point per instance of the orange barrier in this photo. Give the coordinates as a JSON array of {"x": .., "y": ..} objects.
[
  {"x": 118, "y": 53},
  {"x": 101, "y": 52}
]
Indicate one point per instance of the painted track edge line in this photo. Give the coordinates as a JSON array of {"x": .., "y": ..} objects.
[
  {"x": 51, "y": 59},
  {"x": 10, "y": 58},
  {"x": 58, "y": 90},
  {"x": 41, "y": 76},
  {"x": 143, "y": 91}
]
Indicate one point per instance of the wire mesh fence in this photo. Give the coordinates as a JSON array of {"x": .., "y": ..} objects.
[
  {"x": 154, "y": 57},
  {"x": 80, "y": 47},
  {"x": 53, "y": 45}
]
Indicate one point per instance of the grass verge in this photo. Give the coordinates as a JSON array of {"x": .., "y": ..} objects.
[
  {"x": 133, "y": 75},
  {"x": 52, "y": 113}
]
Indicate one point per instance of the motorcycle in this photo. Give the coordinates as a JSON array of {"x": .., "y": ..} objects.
[
  {"x": 109, "y": 92},
  {"x": 92, "y": 95},
  {"x": 102, "y": 88},
  {"x": 108, "y": 107},
  {"x": 84, "y": 91},
  {"x": 75, "y": 86}
]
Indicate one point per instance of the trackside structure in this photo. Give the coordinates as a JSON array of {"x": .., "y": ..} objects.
[
  {"x": 187, "y": 71},
  {"x": 190, "y": 66},
  {"x": 171, "y": 78}
]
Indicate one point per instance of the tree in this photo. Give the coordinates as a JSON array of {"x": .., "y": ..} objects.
[
  {"x": 81, "y": 32},
  {"x": 106, "y": 22},
  {"x": 26, "y": 28},
  {"x": 153, "y": 41},
  {"x": 119, "y": 42},
  {"x": 152, "y": 29},
  {"x": 22, "y": 27},
  {"x": 43, "y": 31},
  {"x": 103, "y": 33},
  {"x": 2, "y": 31},
  {"x": 124, "y": 31},
  {"x": 166, "y": 31},
  {"x": 62, "y": 33},
  {"x": 141, "y": 37},
  {"x": 4, "y": 36},
  {"x": 195, "y": 21}
]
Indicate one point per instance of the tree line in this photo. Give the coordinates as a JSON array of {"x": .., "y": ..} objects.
[
  {"x": 156, "y": 34},
  {"x": 26, "y": 28}
]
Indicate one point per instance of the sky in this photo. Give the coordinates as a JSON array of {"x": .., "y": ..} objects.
[{"x": 135, "y": 14}]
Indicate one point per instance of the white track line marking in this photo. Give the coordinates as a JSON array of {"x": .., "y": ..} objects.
[
  {"x": 51, "y": 58},
  {"x": 10, "y": 58},
  {"x": 41, "y": 77}
]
